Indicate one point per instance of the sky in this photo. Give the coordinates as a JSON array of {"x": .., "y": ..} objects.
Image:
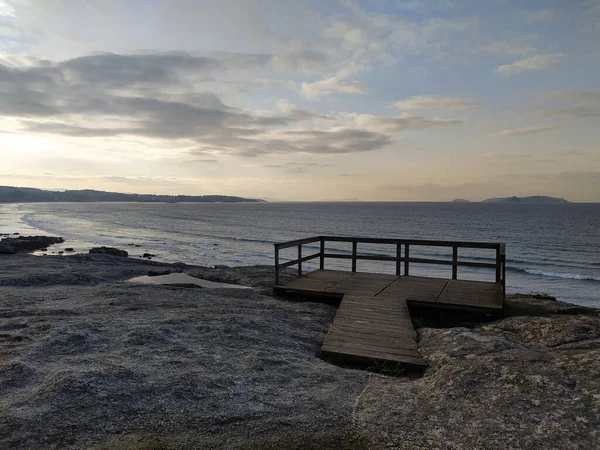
[{"x": 382, "y": 100}]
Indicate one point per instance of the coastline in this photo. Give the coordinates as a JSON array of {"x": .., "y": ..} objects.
[
  {"x": 243, "y": 234},
  {"x": 91, "y": 361}
]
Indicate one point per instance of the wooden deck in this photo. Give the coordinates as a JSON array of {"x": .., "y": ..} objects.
[{"x": 373, "y": 322}]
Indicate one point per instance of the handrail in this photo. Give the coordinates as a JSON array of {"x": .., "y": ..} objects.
[{"x": 499, "y": 265}]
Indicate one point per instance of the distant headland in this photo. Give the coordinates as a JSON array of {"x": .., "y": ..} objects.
[
  {"x": 11, "y": 194},
  {"x": 531, "y": 199}
]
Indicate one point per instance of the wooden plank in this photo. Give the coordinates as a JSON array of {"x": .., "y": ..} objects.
[
  {"x": 345, "y": 346},
  {"x": 402, "y": 340},
  {"x": 415, "y": 288},
  {"x": 362, "y": 257},
  {"x": 423, "y": 242},
  {"x": 390, "y": 308},
  {"x": 369, "y": 357},
  {"x": 363, "y": 283},
  {"x": 391, "y": 333},
  {"x": 472, "y": 293},
  {"x": 289, "y": 244},
  {"x": 385, "y": 313},
  {"x": 381, "y": 331},
  {"x": 373, "y": 321}
]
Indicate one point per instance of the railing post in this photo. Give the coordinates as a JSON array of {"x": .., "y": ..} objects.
[
  {"x": 398, "y": 258},
  {"x": 300, "y": 260},
  {"x": 276, "y": 265},
  {"x": 503, "y": 275},
  {"x": 454, "y": 262},
  {"x": 322, "y": 255},
  {"x": 354, "y": 247},
  {"x": 498, "y": 265},
  {"x": 406, "y": 257}
]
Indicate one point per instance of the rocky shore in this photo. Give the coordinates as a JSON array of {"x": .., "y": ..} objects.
[
  {"x": 89, "y": 361},
  {"x": 12, "y": 245}
]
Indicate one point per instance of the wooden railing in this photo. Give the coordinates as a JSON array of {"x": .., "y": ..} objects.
[{"x": 401, "y": 258}]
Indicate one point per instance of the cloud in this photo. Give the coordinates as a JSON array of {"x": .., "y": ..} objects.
[
  {"x": 400, "y": 123},
  {"x": 438, "y": 103},
  {"x": 337, "y": 141},
  {"x": 526, "y": 130},
  {"x": 297, "y": 167},
  {"x": 330, "y": 86},
  {"x": 145, "y": 96},
  {"x": 295, "y": 113},
  {"x": 538, "y": 62}
]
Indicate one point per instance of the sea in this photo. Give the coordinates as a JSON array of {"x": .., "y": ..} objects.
[{"x": 552, "y": 249}]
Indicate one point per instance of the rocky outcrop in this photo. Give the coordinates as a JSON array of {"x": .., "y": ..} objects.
[
  {"x": 10, "y": 246},
  {"x": 522, "y": 382},
  {"x": 109, "y": 251},
  {"x": 540, "y": 305},
  {"x": 173, "y": 367}
]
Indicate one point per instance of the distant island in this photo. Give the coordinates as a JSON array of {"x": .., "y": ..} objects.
[
  {"x": 11, "y": 194},
  {"x": 531, "y": 199}
]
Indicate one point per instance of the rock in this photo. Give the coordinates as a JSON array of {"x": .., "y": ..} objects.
[
  {"x": 158, "y": 272},
  {"x": 16, "y": 234},
  {"x": 148, "y": 255},
  {"x": 6, "y": 249},
  {"x": 520, "y": 382},
  {"x": 109, "y": 251},
  {"x": 540, "y": 305},
  {"x": 221, "y": 266},
  {"x": 27, "y": 243},
  {"x": 60, "y": 253},
  {"x": 69, "y": 250}
]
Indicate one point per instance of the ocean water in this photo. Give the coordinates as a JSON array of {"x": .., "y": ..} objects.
[{"x": 552, "y": 249}]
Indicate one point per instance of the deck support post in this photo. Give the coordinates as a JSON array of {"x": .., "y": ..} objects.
[
  {"x": 354, "y": 248},
  {"x": 322, "y": 255},
  {"x": 398, "y": 258},
  {"x": 300, "y": 260},
  {"x": 454, "y": 262},
  {"x": 276, "y": 265},
  {"x": 406, "y": 257}
]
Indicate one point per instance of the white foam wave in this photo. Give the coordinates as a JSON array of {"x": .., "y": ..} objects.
[{"x": 570, "y": 276}]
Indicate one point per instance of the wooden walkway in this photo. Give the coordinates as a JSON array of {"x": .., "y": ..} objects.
[{"x": 373, "y": 322}]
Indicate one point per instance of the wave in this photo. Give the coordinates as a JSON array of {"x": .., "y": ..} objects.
[{"x": 570, "y": 276}]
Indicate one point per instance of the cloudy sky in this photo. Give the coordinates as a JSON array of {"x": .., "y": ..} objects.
[{"x": 303, "y": 100}]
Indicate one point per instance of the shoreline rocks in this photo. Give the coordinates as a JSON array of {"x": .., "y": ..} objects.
[
  {"x": 109, "y": 251},
  {"x": 10, "y": 246}
]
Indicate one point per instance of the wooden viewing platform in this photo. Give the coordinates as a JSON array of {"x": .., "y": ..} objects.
[{"x": 373, "y": 322}]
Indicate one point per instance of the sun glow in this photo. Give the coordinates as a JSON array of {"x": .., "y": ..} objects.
[{"x": 22, "y": 144}]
